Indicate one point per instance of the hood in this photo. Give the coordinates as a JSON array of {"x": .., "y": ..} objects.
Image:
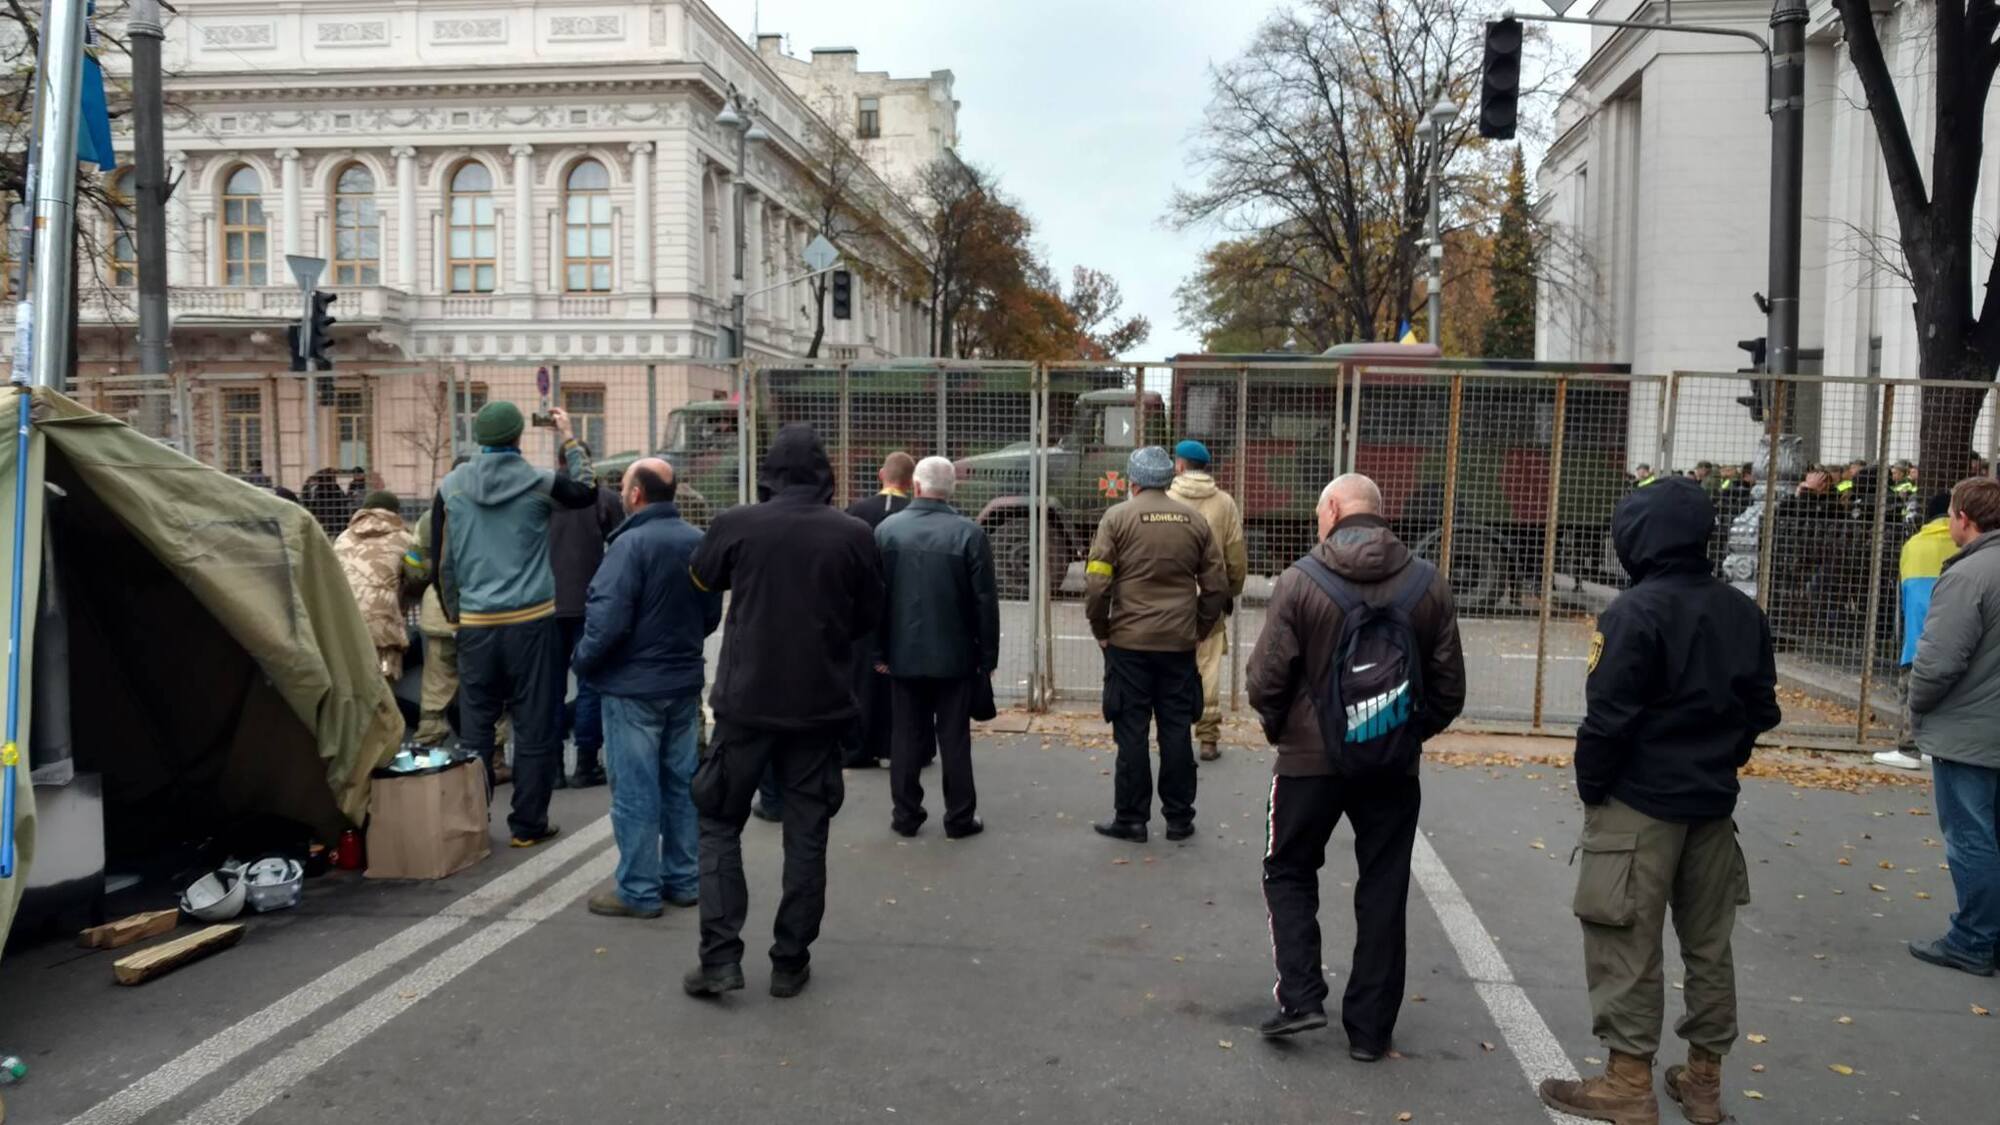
[
  {"x": 1362, "y": 549},
  {"x": 1193, "y": 486},
  {"x": 375, "y": 523},
  {"x": 796, "y": 466},
  {"x": 494, "y": 478},
  {"x": 1664, "y": 528}
]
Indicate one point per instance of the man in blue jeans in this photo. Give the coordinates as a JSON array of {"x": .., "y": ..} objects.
[
  {"x": 643, "y": 626},
  {"x": 1955, "y": 706}
]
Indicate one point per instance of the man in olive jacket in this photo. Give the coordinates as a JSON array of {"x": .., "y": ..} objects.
[
  {"x": 1955, "y": 702},
  {"x": 940, "y": 633}
]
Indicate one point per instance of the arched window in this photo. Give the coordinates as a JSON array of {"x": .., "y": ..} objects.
[
  {"x": 470, "y": 265},
  {"x": 245, "y": 250},
  {"x": 357, "y": 235},
  {"x": 587, "y": 229},
  {"x": 123, "y": 233}
]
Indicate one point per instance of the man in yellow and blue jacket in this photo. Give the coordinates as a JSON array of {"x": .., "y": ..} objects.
[{"x": 1924, "y": 556}]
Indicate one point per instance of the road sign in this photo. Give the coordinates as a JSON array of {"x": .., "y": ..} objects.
[
  {"x": 1559, "y": 7},
  {"x": 820, "y": 253},
  {"x": 306, "y": 270}
]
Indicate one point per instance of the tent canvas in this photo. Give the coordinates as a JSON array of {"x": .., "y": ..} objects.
[{"x": 219, "y": 668}]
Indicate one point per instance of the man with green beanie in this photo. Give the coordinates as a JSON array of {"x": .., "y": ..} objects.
[{"x": 490, "y": 535}]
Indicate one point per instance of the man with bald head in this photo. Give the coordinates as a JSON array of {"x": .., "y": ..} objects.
[
  {"x": 1393, "y": 681},
  {"x": 642, "y": 650}
]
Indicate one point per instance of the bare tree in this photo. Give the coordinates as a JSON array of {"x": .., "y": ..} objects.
[
  {"x": 428, "y": 428},
  {"x": 1094, "y": 299}
]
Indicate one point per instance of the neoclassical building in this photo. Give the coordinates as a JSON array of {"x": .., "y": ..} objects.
[{"x": 496, "y": 187}]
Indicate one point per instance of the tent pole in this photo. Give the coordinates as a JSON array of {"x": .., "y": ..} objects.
[{"x": 10, "y": 750}]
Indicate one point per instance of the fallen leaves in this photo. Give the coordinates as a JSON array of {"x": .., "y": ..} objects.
[
  {"x": 1485, "y": 1046},
  {"x": 1844, "y": 1020},
  {"x": 1537, "y": 845},
  {"x": 1923, "y": 894},
  {"x": 1845, "y": 862},
  {"x": 1886, "y": 865},
  {"x": 1754, "y": 1095},
  {"x": 1225, "y": 1044},
  {"x": 1841, "y": 1069},
  {"x": 1877, "y": 887},
  {"x": 1979, "y": 1011},
  {"x": 1756, "y": 1068},
  {"x": 1406, "y": 1115},
  {"x": 1754, "y": 1037}
]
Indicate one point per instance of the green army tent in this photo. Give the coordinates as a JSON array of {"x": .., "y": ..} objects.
[{"x": 218, "y": 668}]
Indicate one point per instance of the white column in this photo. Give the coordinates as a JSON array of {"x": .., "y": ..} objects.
[
  {"x": 754, "y": 206},
  {"x": 181, "y": 232},
  {"x": 524, "y": 221},
  {"x": 293, "y": 199},
  {"x": 643, "y": 234},
  {"x": 406, "y": 217}
]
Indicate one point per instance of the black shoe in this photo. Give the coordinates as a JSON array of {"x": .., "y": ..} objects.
[
  {"x": 1938, "y": 952},
  {"x": 588, "y": 777},
  {"x": 860, "y": 764},
  {"x": 704, "y": 980},
  {"x": 533, "y": 838},
  {"x": 905, "y": 830},
  {"x": 762, "y": 812},
  {"x": 560, "y": 782},
  {"x": 1291, "y": 1023},
  {"x": 1180, "y": 831},
  {"x": 1119, "y": 830},
  {"x": 787, "y": 983},
  {"x": 971, "y": 827},
  {"x": 1360, "y": 1053}
]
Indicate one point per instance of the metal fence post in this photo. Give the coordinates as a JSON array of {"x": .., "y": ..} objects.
[
  {"x": 1767, "y": 524},
  {"x": 1038, "y": 579},
  {"x": 1992, "y": 437},
  {"x": 844, "y": 435},
  {"x": 1449, "y": 517},
  {"x": 1138, "y": 411},
  {"x": 1354, "y": 425},
  {"x": 1242, "y": 452},
  {"x": 942, "y": 449},
  {"x": 1340, "y": 442},
  {"x": 1549, "y": 524},
  {"x": 1670, "y": 402},
  {"x": 461, "y": 428},
  {"x": 1875, "y": 564},
  {"x": 743, "y": 420},
  {"x": 652, "y": 442},
  {"x": 1042, "y": 605}
]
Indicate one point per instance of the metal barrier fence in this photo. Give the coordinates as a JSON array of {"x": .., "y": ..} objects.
[{"x": 1506, "y": 476}]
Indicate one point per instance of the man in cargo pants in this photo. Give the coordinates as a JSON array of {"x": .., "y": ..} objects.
[
  {"x": 1195, "y": 487},
  {"x": 1681, "y": 681}
]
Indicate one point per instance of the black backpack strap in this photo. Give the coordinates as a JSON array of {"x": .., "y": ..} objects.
[
  {"x": 1334, "y": 585},
  {"x": 1417, "y": 579}
]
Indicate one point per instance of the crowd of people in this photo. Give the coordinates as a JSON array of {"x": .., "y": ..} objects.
[{"x": 870, "y": 633}]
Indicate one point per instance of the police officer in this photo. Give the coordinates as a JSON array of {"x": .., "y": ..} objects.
[
  {"x": 1680, "y": 683},
  {"x": 1157, "y": 587}
]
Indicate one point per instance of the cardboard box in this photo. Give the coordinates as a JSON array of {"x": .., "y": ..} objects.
[{"x": 427, "y": 825}]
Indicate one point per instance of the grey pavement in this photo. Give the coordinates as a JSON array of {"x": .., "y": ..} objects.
[{"x": 1036, "y": 973}]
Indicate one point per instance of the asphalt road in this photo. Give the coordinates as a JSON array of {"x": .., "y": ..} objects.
[{"x": 1037, "y": 973}]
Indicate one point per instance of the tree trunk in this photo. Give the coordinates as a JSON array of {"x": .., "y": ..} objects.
[
  {"x": 818, "y": 288},
  {"x": 1945, "y": 427}
]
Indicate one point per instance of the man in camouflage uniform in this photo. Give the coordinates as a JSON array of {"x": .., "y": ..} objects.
[
  {"x": 1195, "y": 487},
  {"x": 371, "y": 556},
  {"x": 1156, "y": 588}
]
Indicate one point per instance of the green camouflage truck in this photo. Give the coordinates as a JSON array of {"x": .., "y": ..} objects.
[{"x": 1296, "y": 436}]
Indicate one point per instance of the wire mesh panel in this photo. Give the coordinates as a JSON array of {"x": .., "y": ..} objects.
[{"x": 989, "y": 433}]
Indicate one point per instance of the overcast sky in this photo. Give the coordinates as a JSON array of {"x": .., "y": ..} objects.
[{"x": 1084, "y": 109}]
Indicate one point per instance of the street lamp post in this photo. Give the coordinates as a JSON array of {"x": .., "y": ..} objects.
[
  {"x": 740, "y": 113},
  {"x": 1432, "y": 130}
]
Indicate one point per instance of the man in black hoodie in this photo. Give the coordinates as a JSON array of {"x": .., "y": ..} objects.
[
  {"x": 805, "y": 583},
  {"x": 1681, "y": 682}
]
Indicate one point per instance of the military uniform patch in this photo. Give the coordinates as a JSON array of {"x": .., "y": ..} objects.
[
  {"x": 1165, "y": 517},
  {"x": 1596, "y": 650}
]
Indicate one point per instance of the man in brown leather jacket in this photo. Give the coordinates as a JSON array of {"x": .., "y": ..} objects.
[{"x": 1156, "y": 588}]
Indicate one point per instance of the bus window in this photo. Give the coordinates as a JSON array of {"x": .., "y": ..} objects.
[{"x": 1116, "y": 427}]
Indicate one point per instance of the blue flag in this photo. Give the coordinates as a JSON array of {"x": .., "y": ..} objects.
[
  {"x": 93, "y": 125},
  {"x": 1406, "y": 334}
]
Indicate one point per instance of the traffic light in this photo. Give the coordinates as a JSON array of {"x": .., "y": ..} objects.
[
  {"x": 319, "y": 336},
  {"x": 1500, "y": 82},
  {"x": 1759, "y": 399},
  {"x": 843, "y": 295}
]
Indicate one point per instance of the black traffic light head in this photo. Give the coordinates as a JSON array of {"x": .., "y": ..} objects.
[
  {"x": 843, "y": 295},
  {"x": 320, "y": 337},
  {"x": 1758, "y": 401},
  {"x": 1500, "y": 80}
]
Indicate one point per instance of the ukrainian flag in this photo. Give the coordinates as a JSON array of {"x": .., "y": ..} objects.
[{"x": 1408, "y": 335}]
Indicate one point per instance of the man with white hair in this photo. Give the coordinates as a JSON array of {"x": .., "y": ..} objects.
[
  {"x": 1365, "y": 632},
  {"x": 940, "y": 633}
]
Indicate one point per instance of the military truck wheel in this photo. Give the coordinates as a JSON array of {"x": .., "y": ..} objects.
[
  {"x": 1478, "y": 566},
  {"x": 1009, "y": 535}
]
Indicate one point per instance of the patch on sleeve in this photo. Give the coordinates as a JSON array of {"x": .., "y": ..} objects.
[
  {"x": 1165, "y": 517},
  {"x": 1596, "y": 650},
  {"x": 1098, "y": 567}
]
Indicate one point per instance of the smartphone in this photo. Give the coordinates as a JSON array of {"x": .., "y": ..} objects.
[{"x": 545, "y": 421}]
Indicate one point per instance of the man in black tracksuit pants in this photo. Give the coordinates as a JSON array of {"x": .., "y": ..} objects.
[
  {"x": 868, "y": 745},
  {"x": 805, "y": 582}
]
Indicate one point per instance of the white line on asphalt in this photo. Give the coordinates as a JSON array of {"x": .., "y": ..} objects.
[
  {"x": 263, "y": 1085},
  {"x": 225, "y": 1046},
  {"x": 1527, "y": 1034}
]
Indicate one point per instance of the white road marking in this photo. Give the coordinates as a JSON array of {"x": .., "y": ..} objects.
[
  {"x": 224, "y": 1047},
  {"x": 263, "y": 1085},
  {"x": 1527, "y": 1034}
]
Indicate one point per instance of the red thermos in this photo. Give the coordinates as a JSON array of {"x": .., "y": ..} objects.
[{"x": 347, "y": 856}]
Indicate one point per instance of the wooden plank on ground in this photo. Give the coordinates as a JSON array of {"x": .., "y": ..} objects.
[
  {"x": 125, "y": 931},
  {"x": 158, "y": 960}
]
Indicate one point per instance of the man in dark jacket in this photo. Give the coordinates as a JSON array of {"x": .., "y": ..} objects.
[
  {"x": 805, "y": 582},
  {"x": 641, "y": 649},
  {"x": 1680, "y": 683},
  {"x": 940, "y": 634},
  {"x": 1295, "y": 654},
  {"x": 868, "y": 744},
  {"x": 490, "y": 535},
  {"x": 576, "y": 547}
]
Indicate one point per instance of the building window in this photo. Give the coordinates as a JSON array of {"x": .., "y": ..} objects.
[
  {"x": 124, "y": 229},
  {"x": 587, "y": 229},
  {"x": 245, "y": 254},
  {"x": 242, "y": 431},
  {"x": 586, "y": 415},
  {"x": 868, "y": 122},
  {"x": 357, "y": 234},
  {"x": 471, "y": 266},
  {"x": 15, "y": 249},
  {"x": 353, "y": 422},
  {"x": 468, "y": 400}
]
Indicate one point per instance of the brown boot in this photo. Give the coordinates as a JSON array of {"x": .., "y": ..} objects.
[
  {"x": 1622, "y": 1095},
  {"x": 1209, "y": 752},
  {"x": 1698, "y": 1086}
]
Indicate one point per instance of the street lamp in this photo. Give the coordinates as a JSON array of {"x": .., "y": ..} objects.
[
  {"x": 740, "y": 114},
  {"x": 1431, "y": 130}
]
